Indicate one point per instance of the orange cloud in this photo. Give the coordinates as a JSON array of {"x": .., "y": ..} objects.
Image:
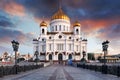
[
  {"x": 39, "y": 20},
  {"x": 14, "y": 9},
  {"x": 92, "y": 25}
]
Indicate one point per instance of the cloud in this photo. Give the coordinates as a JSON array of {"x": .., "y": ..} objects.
[
  {"x": 98, "y": 18},
  {"x": 7, "y": 35},
  {"x": 111, "y": 33},
  {"x": 13, "y": 8},
  {"x": 5, "y": 22}
]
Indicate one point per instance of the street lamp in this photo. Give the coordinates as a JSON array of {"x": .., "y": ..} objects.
[
  {"x": 83, "y": 59},
  {"x": 84, "y": 54},
  {"x": 36, "y": 54},
  {"x": 105, "y": 47},
  {"x": 15, "y": 46}
]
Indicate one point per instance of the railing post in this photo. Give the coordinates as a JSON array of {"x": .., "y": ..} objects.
[
  {"x": 1, "y": 71},
  {"x": 118, "y": 71},
  {"x": 104, "y": 69}
]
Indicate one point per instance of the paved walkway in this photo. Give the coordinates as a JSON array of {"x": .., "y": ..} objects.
[{"x": 58, "y": 72}]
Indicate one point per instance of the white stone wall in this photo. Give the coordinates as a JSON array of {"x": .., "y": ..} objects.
[
  {"x": 59, "y": 22},
  {"x": 74, "y": 41}
]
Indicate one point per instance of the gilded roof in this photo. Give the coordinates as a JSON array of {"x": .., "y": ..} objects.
[
  {"x": 60, "y": 15},
  {"x": 76, "y": 24},
  {"x": 43, "y": 23}
]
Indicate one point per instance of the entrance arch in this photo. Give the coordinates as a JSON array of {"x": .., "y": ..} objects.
[
  {"x": 60, "y": 58},
  {"x": 70, "y": 56},
  {"x": 50, "y": 56}
]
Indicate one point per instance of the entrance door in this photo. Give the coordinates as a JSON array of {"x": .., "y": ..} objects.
[
  {"x": 50, "y": 56},
  {"x": 60, "y": 58},
  {"x": 70, "y": 56}
]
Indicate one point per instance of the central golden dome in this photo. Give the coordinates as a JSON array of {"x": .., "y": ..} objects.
[{"x": 60, "y": 15}]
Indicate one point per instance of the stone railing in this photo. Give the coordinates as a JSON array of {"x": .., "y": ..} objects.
[
  {"x": 105, "y": 69},
  {"x": 9, "y": 70}
]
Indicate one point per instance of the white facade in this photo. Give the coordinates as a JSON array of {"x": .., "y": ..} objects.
[{"x": 61, "y": 42}]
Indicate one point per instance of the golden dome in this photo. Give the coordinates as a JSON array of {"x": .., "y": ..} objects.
[
  {"x": 43, "y": 23},
  {"x": 76, "y": 24},
  {"x": 60, "y": 15}
]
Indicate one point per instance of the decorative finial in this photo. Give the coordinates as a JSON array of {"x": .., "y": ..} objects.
[
  {"x": 60, "y": 3},
  {"x": 43, "y": 18}
]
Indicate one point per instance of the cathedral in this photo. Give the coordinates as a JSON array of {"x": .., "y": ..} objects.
[{"x": 58, "y": 42}]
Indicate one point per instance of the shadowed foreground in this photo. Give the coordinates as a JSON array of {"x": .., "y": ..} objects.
[{"x": 59, "y": 72}]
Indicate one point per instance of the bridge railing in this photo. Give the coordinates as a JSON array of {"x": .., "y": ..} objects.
[
  {"x": 9, "y": 70},
  {"x": 105, "y": 69}
]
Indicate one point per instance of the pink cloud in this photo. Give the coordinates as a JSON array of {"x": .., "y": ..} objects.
[{"x": 14, "y": 9}]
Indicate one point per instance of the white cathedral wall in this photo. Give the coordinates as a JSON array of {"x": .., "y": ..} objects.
[
  {"x": 66, "y": 43},
  {"x": 55, "y": 40},
  {"x": 59, "y": 22}
]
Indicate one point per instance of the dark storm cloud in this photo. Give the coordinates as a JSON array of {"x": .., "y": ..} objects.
[
  {"x": 7, "y": 35},
  {"x": 39, "y": 8},
  {"x": 5, "y": 22},
  {"x": 112, "y": 32},
  {"x": 82, "y": 9}
]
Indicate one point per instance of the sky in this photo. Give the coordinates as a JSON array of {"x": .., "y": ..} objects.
[{"x": 20, "y": 19}]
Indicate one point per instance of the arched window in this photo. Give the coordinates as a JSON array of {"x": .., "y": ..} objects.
[
  {"x": 60, "y": 27},
  {"x": 50, "y": 56},
  {"x": 60, "y": 36},
  {"x": 64, "y": 27},
  {"x": 77, "y": 31},
  {"x": 70, "y": 56},
  {"x": 43, "y": 31},
  {"x": 56, "y": 27}
]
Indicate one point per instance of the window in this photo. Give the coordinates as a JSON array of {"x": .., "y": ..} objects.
[
  {"x": 36, "y": 48},
  {"x": 64, "y": 27},
  {"x": 77, "y": 39},
  {"x": 77, "y": 31},
  {"x": 43, "y": 39},
  {"x": 69, "y": 37},
  {"x": 76, "y": 47},
  {"x": 67, "y": 28},
  {"x": 50, "y": 46},
  {"x": 70, "y": 46},
  {"x": 60, "y": 46},
  {"x": 60, "y": 27},
  {"x": 50, "y": 37},
  {"x": 43, "y": 31},
  {"x": 60, "y": 36},
  {"x": 43, "y": 47},
  {"x": 52, "y": 28},
  {"x": 56, "y": 28}
]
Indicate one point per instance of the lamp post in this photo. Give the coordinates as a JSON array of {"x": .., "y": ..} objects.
[
  {"x": 84, "y": 54},
  {"x": 15, "y": 46},
  {"x": 105, "y": 47},
  {"x": 36, "y": 54}
]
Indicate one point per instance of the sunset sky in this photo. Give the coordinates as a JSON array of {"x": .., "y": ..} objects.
[{"x": 20, "y": 19}]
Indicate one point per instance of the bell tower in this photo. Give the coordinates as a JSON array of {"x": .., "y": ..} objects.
[
  {"x": 43, "y": 28},
  {"x": 76, "y": 28}
]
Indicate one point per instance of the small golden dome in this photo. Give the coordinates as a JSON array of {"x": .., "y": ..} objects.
[
  {"x": 76, "y": 24},
  {"x": 60, "y": 15},
  {"x": 43, "y": 23}
]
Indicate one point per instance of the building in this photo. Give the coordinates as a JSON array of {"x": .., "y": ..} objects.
[
  {"x": 60, "y": 42},
  {"x": 94, "y": 56}
]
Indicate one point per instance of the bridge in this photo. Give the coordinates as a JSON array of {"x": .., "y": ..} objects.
[{"x": 60, "y": 72}]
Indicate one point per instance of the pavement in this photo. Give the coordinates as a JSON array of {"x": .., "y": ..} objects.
[{"x": 60, "y": 72}]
